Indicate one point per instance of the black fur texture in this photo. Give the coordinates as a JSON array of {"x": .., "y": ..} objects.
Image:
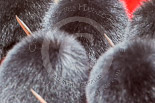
[
  {"x": 143, "y": 23},
  {"x": 124, "y": 74},
  {"x": 30, "y": 11},
  {"x": 109, "y": 14},
  {"x": 33, "y": 63},
  {"x": 52, "y": 63}
]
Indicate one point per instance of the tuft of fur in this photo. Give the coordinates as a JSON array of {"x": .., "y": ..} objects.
[
  {"x": 49, "y": 62},
  {"x": 143, "y": 22},
  {"x": 88, "y": 20},
  {"x": 124, "y": 74}
]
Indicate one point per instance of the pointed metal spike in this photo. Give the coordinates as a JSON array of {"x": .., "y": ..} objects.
[
  {"x": 38, "y": 96},
  {"x": 23, "y": 25},
  {"x": 109, "y": 40}
]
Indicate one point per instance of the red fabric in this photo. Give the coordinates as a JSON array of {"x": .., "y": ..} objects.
[{"x": 131, "y": 5}]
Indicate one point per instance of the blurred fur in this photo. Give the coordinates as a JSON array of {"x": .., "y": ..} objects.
[
  {"x": 143, "y": 23},
  {"x": 57, "y": 80},
  {"x": 124, "y": 74}
]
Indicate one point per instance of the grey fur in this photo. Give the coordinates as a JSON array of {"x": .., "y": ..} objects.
[
  {"x": 143, "y": 23},
  {"x": 28, "y": 65},
  {"x": 124, "y": 74},
  {"x": 109, "y": 14},
  {"x": 24, "y": 69},
  {"x": 30, "y": 11}
]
